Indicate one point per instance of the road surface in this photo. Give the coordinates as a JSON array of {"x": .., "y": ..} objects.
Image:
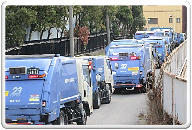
[{"x": 124, "y": 109}]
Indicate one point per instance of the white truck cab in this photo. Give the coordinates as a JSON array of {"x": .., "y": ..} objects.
[{"x": 84, "y": 81}]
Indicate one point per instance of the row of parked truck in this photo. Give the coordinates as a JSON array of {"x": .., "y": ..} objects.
[
  {"x": 56, "y": 90},
  {"x": 133, "y": 60}
]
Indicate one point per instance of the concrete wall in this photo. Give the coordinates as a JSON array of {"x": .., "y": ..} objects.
[{"x": 175, "y": 89}]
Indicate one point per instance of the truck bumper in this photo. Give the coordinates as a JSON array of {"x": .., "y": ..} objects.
[
  {"x": 23, "y": 120},
  {"x": 129, "y": 83}
]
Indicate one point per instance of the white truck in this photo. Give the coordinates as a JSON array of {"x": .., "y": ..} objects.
[{"x": 85, "y": 81}]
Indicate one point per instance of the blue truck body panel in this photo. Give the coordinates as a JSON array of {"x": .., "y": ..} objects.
[
  {"x": 168, "y": 41},
  {"x": 182, "y": 38},
  {"x": 179, "y": 38},
  {"x": 25, "y": 95},
  {"x": 97, "y": 68}
]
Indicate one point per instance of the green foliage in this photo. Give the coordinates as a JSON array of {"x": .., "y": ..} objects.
[
  {"x": 138, "y": 19},
  {"x": 17, "y": 18},
  {"x": 124, "y": 20}
]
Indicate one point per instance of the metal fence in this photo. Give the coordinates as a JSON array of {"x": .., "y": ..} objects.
[
  {"x": 172, "y": 84},
  {"x": 60, "y": 46},
  {"x": 176, "y": 59}
]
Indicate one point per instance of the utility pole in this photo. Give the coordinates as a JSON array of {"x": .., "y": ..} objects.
[
  {"x": 71, "y": 37},
  {"x": 173, "y": 26},
  {"x": 108, "y": 29}
]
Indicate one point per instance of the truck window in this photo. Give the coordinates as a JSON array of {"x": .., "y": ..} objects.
[{"x": 86, "y": 75}]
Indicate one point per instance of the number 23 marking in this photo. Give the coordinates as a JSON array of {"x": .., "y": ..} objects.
[{"x": 16, "y": 92}]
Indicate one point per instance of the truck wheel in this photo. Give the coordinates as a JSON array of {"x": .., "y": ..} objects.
[
  {"x": 145, "y": 88},
  {"x": 117, "y": 91},
  {"x": 83, "y": 119},
  {"x": 63, "y": 119},
  {"x": 108, "y": 99},
  {"x": 97, "y": 102}
]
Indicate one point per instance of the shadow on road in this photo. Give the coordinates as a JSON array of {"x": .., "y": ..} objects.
[{"x": 126, "y": 92}]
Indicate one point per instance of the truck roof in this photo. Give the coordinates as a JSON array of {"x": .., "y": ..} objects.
[
  {"x": 30, "y": 56},
  {"x": 136, "y": 45},
  {"x": 39, "y": 61},
  {"x": 125, "y": 40},
  {"x": 153, "y": 38},
  {"x": 144, "y": 32}
]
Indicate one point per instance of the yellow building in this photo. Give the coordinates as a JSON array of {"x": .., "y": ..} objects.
[{"x": 174, "y": 16}]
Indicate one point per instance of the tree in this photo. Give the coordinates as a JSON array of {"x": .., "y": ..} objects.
[
  {"x": 125, "y": 18},
  {"x": 45, "y": 19},
  {"x": 138, "y": 19},
  {"x": 122, "y": 19},
  {"x": 17, "y": 19},
  {"x": 83, "y": 35},
  {"x": 60, "y": 19}
]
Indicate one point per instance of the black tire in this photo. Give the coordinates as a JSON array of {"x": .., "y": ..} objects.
[
  {"x": 137, "y": 90},
  {"x": 97, "y": 101},
  {"x": 63, "y": 119},
  {"x": 150, "y": 85},
  {"x": 108, "y": 99},
  {"x": 145, "y": 88},
  {"x": 83, "y": 120},
  {"x": 117, "y": 91}
]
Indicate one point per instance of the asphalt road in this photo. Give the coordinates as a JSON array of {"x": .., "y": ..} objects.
[{"x": 124, "y": 109}]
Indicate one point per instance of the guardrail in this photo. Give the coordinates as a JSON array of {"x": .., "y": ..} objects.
[{"x": 171, "y": 85}]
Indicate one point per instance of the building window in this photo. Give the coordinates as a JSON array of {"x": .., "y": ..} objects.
[
  {"x": 178, "y": 20},
  {"x": 170, "y": 20},
  {"x": 152, "y": 20}
]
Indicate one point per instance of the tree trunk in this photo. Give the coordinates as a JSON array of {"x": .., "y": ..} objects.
[
  {"x": 31, "y": 30},
  {"x": 62, "y": 33},
  {"x": 49, "y": 33},
  {"x": 57, "y": 34},
  {"x": 90, "y": 28},
  {"x": 41, "y": 35},
  {"x": 30, "y": 33}
]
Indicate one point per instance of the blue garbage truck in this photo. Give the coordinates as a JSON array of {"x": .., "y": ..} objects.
[
  {"x": 167, "y": 41},
  {"x": 45, "y": 89},
  {"x": 101, "y": 79},
  {"x": 127, "y": 67},
  {"x": 166, "y": 34},
  {"x": 160, "y": 48}
]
